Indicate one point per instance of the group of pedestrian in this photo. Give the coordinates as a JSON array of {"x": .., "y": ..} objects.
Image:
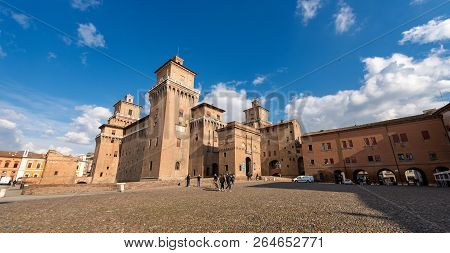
[
  {"x": 222, "y": 179},
  {"x": 188, "y": 180}
]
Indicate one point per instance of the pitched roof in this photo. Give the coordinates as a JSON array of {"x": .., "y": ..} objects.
[{"x": 207, "y": 105}]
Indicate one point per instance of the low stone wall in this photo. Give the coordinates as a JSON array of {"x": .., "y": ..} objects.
[
  {"x": 39, "y": 189},
  {"x": 67, "y": 188}
]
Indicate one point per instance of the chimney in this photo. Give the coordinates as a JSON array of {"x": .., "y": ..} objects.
[{"x": 178, "y": 60}]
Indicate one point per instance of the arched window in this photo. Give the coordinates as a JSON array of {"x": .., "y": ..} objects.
[
  {"x": 6, "y": 164},
  {"x": 177, "y": 166}
]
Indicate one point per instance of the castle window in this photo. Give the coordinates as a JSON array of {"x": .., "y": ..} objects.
[
  {"x": 113, "y": 132},
  {"x": 38, "y": 166},
  {"x": 432, "y": 156},
  {"x": 115, "y": 153},
  {"x": 101, "y": 174},
  {"x": 178, "y": 142},
  {"x": 130, "y": 112},
  {"x": 151, "y": 165},
  {"x": 180, "y": 113},
  {"x": 112, "y": 140},
  {"x": 404, "y": 137},
  {"x": 55, "y": 173},
  {"x": 16, "y": 164},
  {"x": 224, "y": 154},
  {"x": 425, "y": 135},
  {"x": 29, "y": 165},
  {"x": 107, "y": 168},
  {"x": 6, "y": 164},
  {"x": 177, "y": 166},
  {"x": 377, "y": 158},
  {"x": 310, "y": 147}
]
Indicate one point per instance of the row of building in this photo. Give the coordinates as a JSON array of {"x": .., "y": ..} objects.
[
  {"x": 50, "y": 168},
  {"x": 181, "y": 136}
]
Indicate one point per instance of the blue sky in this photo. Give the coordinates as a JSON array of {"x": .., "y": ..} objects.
[{"x": 58, "y": 86}]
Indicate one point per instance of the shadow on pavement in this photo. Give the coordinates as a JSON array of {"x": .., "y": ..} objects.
[{"x": 418, "y": 209}]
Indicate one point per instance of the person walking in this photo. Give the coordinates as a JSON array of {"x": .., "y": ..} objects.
[
  {"x": 198, "y": 180},
  {"x": 228, "y": 180},
  {"x": 222, "y": 183},
  {"x": 188, "y": 180},
  {"x": 215, "y": 179}
]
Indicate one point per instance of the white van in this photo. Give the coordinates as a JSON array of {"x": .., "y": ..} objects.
[
  {"x": 303, "y": 179},
  {"x": 5, "y": 180}
]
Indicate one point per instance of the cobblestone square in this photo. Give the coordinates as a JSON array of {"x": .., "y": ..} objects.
[{"x": 250, "y": 207}]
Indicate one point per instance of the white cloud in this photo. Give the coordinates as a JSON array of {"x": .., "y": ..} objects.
[
  {"x": 66, "y": 40},
  {"x": 51, "y": 56},
  {"x": 393, "y": 87},
  {"x": 345, "y": 18},
  {"x": 417, "y": 2},
  {"x": 437, "y": 29},
  {"x": 38, "y": 122},
  {"x": 259, "y": 80},
  {"x": 85, "y": 4},
  {"x": 3, "y": 54},
  {"x": 63, "y": 150},
  {"x": 84, "y": 58},
  {"x": 21, "y": 19},
  {"x": 89, "y": 36},
  {"x": 9, "y": 135},
  {"x": 85, "y": 127},
  {"x": 48, "y": 132},
  {"x": 307, "y": 9},
  {"x": 77, "y": 137},
  {"x": 4, "y": 123},
  {"x": 234, "y": 102}
]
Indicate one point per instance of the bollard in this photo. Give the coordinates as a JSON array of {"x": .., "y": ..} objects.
[
  {"x": 121, "y": 187},
  {"x": 2, "y": 193}
]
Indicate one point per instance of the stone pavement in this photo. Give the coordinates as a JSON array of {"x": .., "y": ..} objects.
[{"x": 250, "y": 207}]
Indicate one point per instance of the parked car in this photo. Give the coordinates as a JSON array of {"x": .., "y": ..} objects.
[
  {"x": 5, "y": 180},
  {"x": 303, "y": 179},
  {"x": 348, "y": 181}
]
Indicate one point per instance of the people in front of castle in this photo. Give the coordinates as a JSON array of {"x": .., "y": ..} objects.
[
  {"x": 249, "y": 176},
  {"x": 233, "y": 177},
  {"x": 215, "y": 179},
  {"x": 222, "y": 182},
  {"x": 198, "y": 180},
  {"x": 188, "y": 180},
  {"x": 228, "y": 180}
]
